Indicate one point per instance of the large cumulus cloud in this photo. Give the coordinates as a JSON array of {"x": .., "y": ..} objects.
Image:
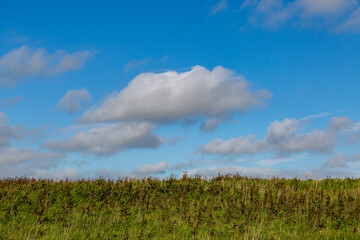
[{"x": 172, "y": 96}]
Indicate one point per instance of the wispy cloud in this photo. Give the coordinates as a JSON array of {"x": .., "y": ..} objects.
[
  {"x": 12, "y": 36},
  {"x": 320, "y": 115},
  {"x": 136, "y": 64},
  {"x": 10, "y": 102},
  {"x": 218, "y": 7},
  {"x": 9, "y": 132},
  {"x": 15, "y": 161},
  {"x": 333, "y": 15},
  {"x": 352, "y": 24},
  {"x": 274, "y": 161}
]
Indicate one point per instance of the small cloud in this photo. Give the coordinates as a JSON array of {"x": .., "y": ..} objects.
[
  {"x": 74, "y": 100},
  {"x": 22, "y": 63},
  {"x": 218, "y": 7},
  {"x": 136, "y": 64},
  {"x": 148, "y": 169},
  {"x": 165, "y": 58},
  {"x": 10, "y": 102},
  {"x": 337, "y": 160}
]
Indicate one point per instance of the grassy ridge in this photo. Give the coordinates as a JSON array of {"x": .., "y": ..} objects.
[{"x": 226, "y": 207}]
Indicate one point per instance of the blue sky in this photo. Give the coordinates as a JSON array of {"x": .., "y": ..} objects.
[{"x": 137, "y": 89}]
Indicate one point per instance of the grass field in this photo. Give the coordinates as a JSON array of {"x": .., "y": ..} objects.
[{"x": 225, "y": 207}]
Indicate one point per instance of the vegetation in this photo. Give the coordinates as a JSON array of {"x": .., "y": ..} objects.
[{"x": 225, "y": 207}]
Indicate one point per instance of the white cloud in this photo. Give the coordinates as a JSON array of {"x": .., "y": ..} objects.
[
  {"x": 20, "y": 162},
  {"x": 109, "y": 139},
  {"x": 218, "y": 7},
  {"x": 11, "y": 155},
  {"x": 22, "y": 63},
  {"x": 239, "y": 145},
  {"x": 148, "y": 169},
  {"x": 16, "y": 162},
  {"x": 283, "y": 138},
  {"x": 172, "y": 96},
  {"x": 74, "y": 100},
  {"x": 331, "y": 14}
]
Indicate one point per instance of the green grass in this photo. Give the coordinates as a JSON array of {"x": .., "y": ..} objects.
[{"x": 226, "y": 207}]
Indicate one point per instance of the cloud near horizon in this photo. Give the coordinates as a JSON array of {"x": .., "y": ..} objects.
[
  {"x": 283, "y": 138},
  {"x": 148, "y": 169},
  {"x": 171, "y": 96},
  {"x": 25, "y": 62},
  {"x": 318, "y": 173},
  {"x": 16, "y": 161},
  {"x": 11, "y": 155},
  {"x": 339, "y": 160},
  {"x": 139, "y": 172}
]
